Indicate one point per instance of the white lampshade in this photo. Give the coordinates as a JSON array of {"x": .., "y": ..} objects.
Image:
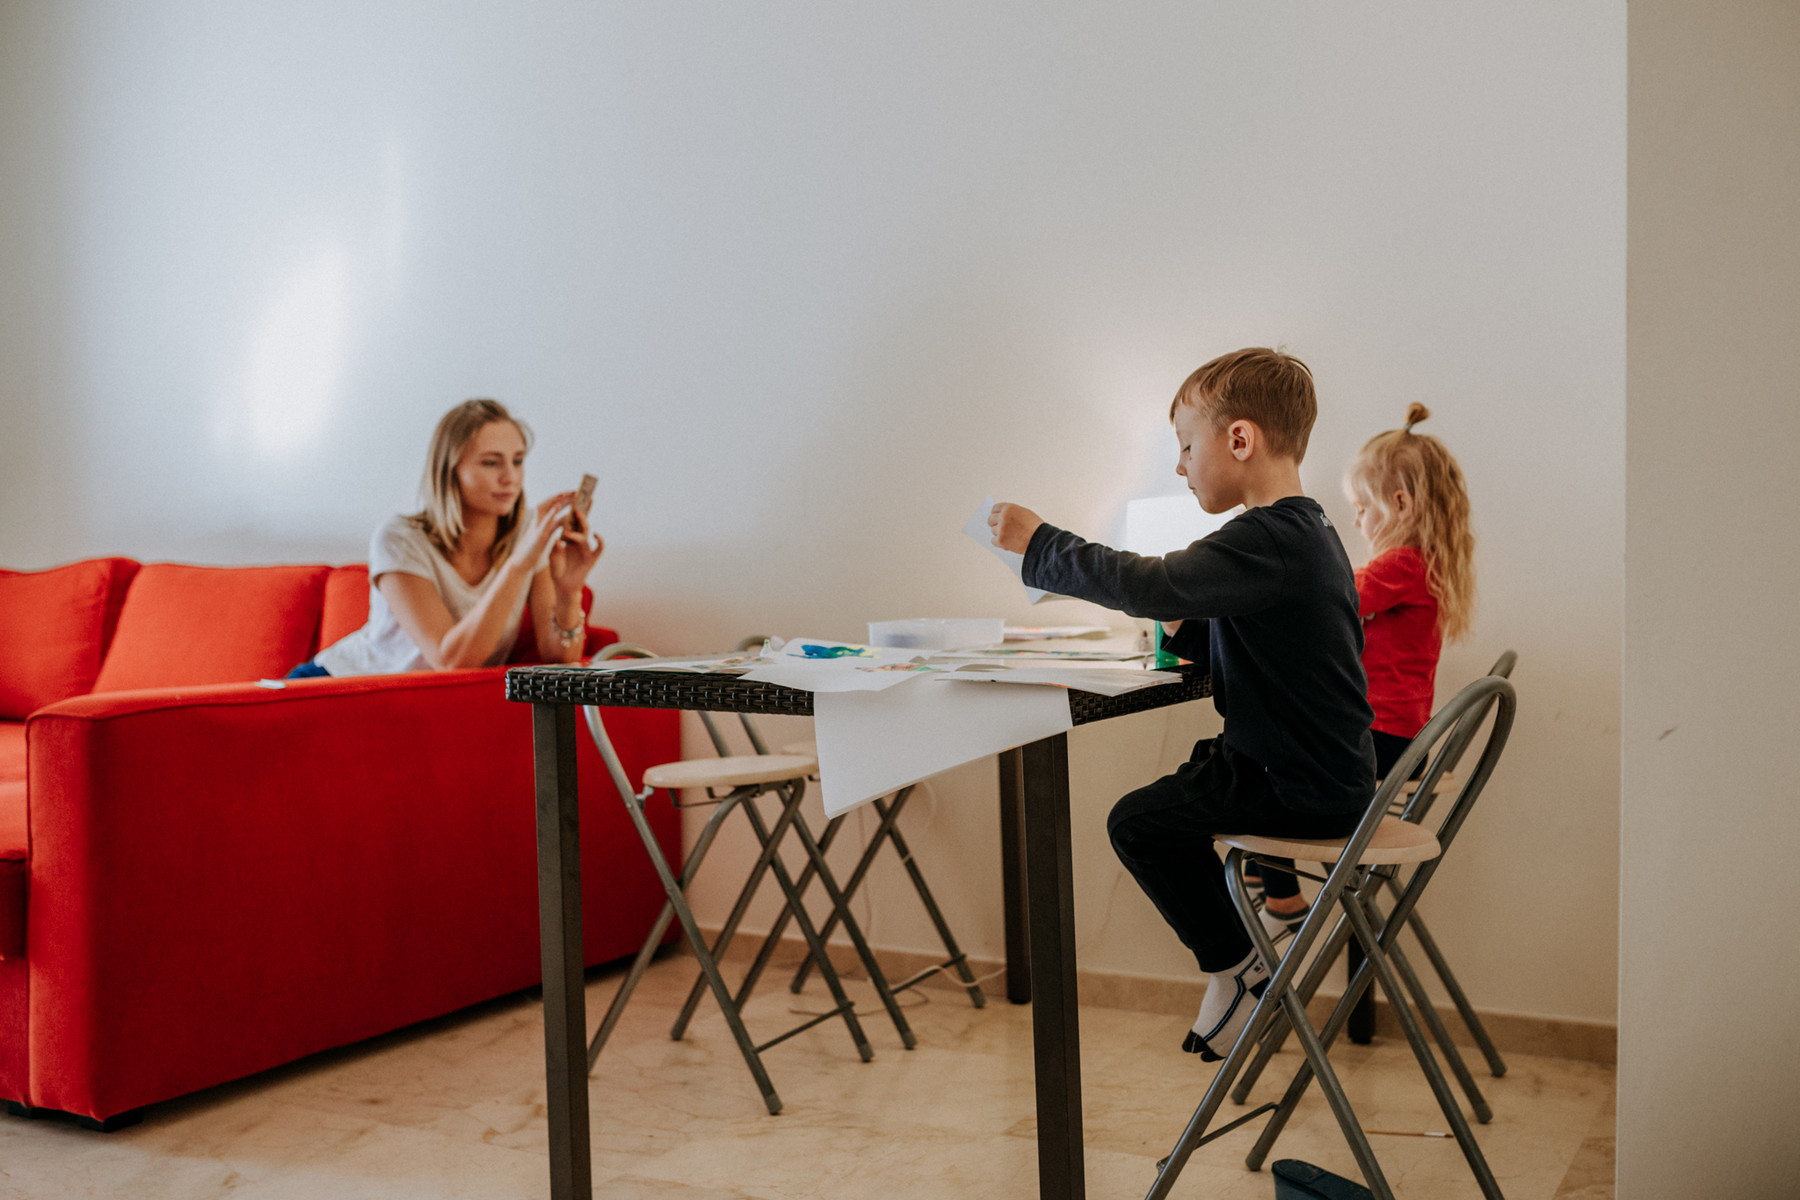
[{"x": 1161, "y": 524}]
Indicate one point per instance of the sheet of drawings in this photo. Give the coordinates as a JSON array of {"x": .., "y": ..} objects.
[
  {"x": 825, "y": 665},
  {"x": 977, "y": 528}
]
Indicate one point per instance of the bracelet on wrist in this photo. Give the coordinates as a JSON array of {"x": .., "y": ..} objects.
[{"x": 568, "y": 637}]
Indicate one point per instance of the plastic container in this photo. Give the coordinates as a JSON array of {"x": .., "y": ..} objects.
[{"x": 938, "y": 633}]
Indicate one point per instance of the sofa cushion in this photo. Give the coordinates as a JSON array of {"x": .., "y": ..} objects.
[
  {"x": 12, "y": 750},
  {"x": 54, "y": 627},
  {"x": 12, "y": 817},
  {"x": 14, "y": 836},
  {"x": 183, "y": 626},
  {"x": 346, "y": 603}
]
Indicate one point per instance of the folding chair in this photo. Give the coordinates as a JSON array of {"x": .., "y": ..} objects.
[
  {"x": 1380, "y": 843},
  {"x": 1410, "y": 806},
  {"x": 744, "y": 778},
  {"x": 815, "y": 868},
  {"x": 888, "y": 831}
]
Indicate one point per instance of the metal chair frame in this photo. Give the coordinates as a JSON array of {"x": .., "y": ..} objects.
[
  {"x": 1350, "y": 886},
  {"x": 795, "y": 910},
  {"x": 1414, "y": 810},
  {"x": 790, "y": 793},
  {"x": 888, "y": 831}
]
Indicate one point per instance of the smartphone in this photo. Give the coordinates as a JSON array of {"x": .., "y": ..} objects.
[{"x": 584, "y": 495}]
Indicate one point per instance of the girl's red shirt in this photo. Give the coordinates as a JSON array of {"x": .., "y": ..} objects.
[{"x": 1400, "y": 639}]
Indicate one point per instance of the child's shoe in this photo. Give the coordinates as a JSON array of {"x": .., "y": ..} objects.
[
  {"x": 1231, "y": 997},
  {"x": 1281, "y": 925}
]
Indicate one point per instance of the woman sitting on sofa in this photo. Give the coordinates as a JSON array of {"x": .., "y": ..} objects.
[{"x": 447, "y": 585}]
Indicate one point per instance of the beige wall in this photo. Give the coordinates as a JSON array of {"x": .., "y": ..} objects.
[
  {"x": 1709, "y": 1048},
  {"x": 802, "y": 281}
]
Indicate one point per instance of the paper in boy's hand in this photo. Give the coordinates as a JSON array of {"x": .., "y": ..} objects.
[{"x": 977, "y": 528}]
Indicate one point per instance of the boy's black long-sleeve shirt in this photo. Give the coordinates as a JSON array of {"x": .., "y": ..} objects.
[{"x": 1269, "y": 602}]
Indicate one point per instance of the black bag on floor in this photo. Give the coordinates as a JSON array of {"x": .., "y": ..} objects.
[{"x": 1295, "y": 1180}]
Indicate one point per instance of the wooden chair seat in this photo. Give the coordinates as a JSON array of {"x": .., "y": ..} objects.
[
  {"x": 1395, "y": 841},
  {"x": 737, "y": 771},
  {"x": 1446, "y": 783}
]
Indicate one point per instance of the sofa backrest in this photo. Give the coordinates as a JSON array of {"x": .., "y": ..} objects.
[
  {"x": 55, "y": 627},
  {"x": 182, "y": 626},
  {"x": 346, "y": 603}
]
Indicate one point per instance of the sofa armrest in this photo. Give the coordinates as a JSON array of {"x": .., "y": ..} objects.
[{"x": 238, "y": 876}]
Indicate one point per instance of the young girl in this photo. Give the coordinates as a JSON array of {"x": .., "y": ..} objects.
[
  {"x": 448, "y": 584},
  {"x": 1416, "y": 593}
]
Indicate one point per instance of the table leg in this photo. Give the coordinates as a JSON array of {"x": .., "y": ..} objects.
[
  {"x": 1055, "y": 1024},
  {"x": 559, "y": 933},
  {"x": 1012, "y": 877},
  {"x": 1361, "y": 1026}
]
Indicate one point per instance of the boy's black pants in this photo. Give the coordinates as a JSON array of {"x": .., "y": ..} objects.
[
  {"x": 1388, "y": 749},
  {"x": 1163, "y": 835}
]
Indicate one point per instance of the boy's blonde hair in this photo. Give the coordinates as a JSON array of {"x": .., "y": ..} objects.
[
  {"x": 1437, "y": 520},
  {"x": 442, "y": 517},
  {"x": 1271, "y": 388}
]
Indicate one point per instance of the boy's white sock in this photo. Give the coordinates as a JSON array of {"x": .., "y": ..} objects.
[{"x": 1230, "y": 999}]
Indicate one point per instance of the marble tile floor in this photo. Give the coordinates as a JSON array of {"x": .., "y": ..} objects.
[{"x": 454, "y": 1108}]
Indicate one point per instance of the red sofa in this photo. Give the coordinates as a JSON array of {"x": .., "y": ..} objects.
[{"x": 202, "y": 878}]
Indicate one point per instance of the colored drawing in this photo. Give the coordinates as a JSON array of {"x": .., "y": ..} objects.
[{"x": 813, "y": 650}]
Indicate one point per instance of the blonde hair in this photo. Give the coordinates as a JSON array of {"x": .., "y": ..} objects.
[
  {"x": 442, "y": 517},
  {"x": 1437, "y": 519},
  {"x": 1269, "y": 387}
]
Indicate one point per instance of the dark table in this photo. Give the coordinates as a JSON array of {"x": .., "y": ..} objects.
[{"x": 1036, "y": 872}]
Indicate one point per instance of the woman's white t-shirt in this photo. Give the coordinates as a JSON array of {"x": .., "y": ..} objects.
[{"x": 382, "y": 647}]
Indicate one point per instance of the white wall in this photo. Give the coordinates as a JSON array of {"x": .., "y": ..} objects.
[
  {"x": 1707, "y": 1042},
  {"x": 801, "y": 282}
]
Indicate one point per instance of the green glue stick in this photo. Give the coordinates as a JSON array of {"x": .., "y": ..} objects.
[{"x": 1163, "y": 657}]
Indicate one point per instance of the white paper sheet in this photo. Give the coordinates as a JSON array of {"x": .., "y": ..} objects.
[
  {"x": 977, "y": 528},
  {"x": 1033, "y": 633},
  {"x": 1104, "y": 681},
  {"x": 1016, "y": 654},
  {"x": 874, "y": 743}
]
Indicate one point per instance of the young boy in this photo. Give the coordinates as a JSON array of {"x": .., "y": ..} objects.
[{"x": 1269, "y": 601}]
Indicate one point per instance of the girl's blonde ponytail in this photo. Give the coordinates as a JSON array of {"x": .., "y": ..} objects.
[{"x": 1437, "y": 519}]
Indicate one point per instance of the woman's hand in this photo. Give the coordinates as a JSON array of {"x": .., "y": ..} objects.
[
  {"x": 574, "y": 554},
  {"x": 546, "y": 525}
]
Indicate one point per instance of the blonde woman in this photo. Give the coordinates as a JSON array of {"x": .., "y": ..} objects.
[{"x": 448, "y": 584}]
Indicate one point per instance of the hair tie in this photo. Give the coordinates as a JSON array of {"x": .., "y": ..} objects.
[{"x": 1408, "y": 428}]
